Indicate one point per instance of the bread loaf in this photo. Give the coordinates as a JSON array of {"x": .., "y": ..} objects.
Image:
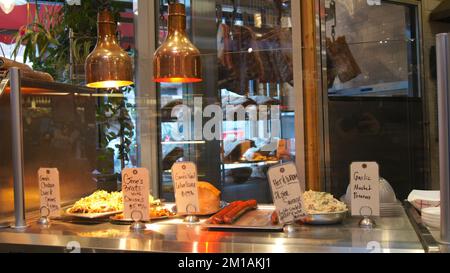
[{"x": 209, "y": 198}]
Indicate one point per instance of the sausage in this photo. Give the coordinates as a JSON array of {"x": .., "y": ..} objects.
[
  {"x": 274, "y": 218},
  {"x": 239, "y": 210},
  {"x": 218, "y": 217}
]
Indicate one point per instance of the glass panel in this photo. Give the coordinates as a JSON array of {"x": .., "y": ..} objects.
[
  {"x": 246, "y": 49},
  {"x": 84, "y": 133},
  {"x": 388, "y": 31},
  {"x": 375, "y": 109}
]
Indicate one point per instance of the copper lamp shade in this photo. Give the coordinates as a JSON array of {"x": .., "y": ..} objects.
[
  {"x": 108, "y": 66},
  {"x": 177, "y": 60}
]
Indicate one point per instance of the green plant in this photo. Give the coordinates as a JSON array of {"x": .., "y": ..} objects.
[
  {"x": 41, "y": 39},
  {"x": 47, "y": 40},
  {"x": 82, "y": 20},
  {"x": 116, "y": 124},
  {"x": 47, "y": 43}
]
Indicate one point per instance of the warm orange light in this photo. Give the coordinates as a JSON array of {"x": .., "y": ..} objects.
[
  {"x": 178, "y": 80},
  {"x": 34, "y": 91},
  {"x": 109, "y": 84}
]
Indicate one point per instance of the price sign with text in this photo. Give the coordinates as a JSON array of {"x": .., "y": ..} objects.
[
  {"x": 365, "y": 188},
  {"x": 49, "y": 192},
  {"x": 136, "y": 190},
  {"x": 287, "y": 192},
  {"x": 185, "y": 179}
]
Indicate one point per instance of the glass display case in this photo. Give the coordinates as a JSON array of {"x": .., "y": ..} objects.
[
  {"x": 373, "y": 85},
  {"x": 60, "y": 131},
  {"x": 246, "y": 49},
  {"x": 320, "y": 83}
]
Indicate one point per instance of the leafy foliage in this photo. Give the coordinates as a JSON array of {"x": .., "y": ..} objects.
[
  {"x": 47, "y": 40},
  {"x": 41, "y": 39},
  {"x": 115, "y": 120}
]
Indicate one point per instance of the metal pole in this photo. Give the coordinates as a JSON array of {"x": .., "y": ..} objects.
[
  {"x": 4, "y": 82},
  {"x": 17, "y": 148},
  {"x": 443, "y": 57}
]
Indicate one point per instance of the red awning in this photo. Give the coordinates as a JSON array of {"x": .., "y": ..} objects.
[{"x": 11, "y": 23}]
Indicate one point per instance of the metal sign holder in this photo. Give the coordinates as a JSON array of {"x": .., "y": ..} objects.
[
  {"x": 191, "y": 218},
  {"x": 137, "y": 225}
]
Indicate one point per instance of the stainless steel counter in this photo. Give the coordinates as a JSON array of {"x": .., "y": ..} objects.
[{"x": 392, "y": 235}]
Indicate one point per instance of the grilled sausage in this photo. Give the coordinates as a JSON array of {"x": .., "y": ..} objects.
[
  {"x": 274, "y": 218},
  {"x": 217, "y": 219},
  {"x": 239, "y": 210}
]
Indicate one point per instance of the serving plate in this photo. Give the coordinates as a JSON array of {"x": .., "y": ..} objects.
[
  {"x": 325, "y": 218},
  {"x": 259, "y": 219},
  {"x": 91, "y": 216},
  {"x": 118, "y": 220}
]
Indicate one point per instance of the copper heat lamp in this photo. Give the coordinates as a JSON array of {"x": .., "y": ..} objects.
[
  {"x": 108, "y": 66},
  {"x": 177, "y": 60}
]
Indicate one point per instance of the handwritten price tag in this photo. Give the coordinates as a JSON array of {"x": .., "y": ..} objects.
[
  {"x": 49, "y": 192},
  {"x": 136, "y": 190},
  {"x": 365, "y": 189},
  {"x": 287, "y": 192},
  {"x": 184, "y": 175}
]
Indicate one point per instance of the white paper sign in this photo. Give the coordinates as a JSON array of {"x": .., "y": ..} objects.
[
  {"x": 365, "y": 188},
  {"x": 49, "y": 192},
  {"x": 287, "y": 192},
  {"x": 136, "y": 190},
  {"x": 184, "y": 175}
]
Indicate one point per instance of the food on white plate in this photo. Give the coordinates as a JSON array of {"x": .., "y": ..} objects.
[
  {"x": 98, "y": 202},
  {"x": 317, "y": 203},
  {"x": 154, "y": 212},
  {"x": 104, "y": 202}
]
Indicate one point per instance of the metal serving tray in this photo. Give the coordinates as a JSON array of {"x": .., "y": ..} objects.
[{"x": 259, "y": 219}]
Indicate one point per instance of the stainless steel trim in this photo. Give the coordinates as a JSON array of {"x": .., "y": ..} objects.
[
  {"x": 392, "y": 235},
  {"x": 443, "y": 69},
  {"x": 17, "y": 148},
  {"x": 426, "y": 237}
]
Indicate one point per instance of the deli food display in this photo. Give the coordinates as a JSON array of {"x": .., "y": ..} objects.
[
  {"x": 244, "y": 215},
  {"x": 322, "y": 202},
  {"x": 321, "y": 208},
  {"x": 233, "y": 212},
  {"x": 101, "y": 204}
]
